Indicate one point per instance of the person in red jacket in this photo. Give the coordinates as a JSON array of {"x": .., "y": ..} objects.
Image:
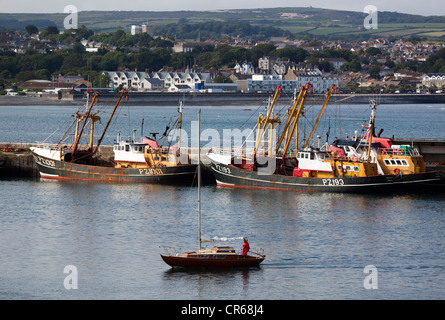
[{"x": 246, "y": 247}]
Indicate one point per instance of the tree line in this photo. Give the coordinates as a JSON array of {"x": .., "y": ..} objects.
[
  {"x": 135, "y": 52},
  {"x": 215, "y": 29},
  {"x": 143, "y": 52}
]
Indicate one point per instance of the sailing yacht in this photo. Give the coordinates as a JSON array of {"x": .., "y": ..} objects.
[{"x": 215, "y": 257}]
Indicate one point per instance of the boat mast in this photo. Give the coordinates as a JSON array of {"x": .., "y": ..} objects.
[
  {"x": 181, "y": 103},
  {"x": 142, "y": 129},
  {"x": 199, "y": 177},
  {"x": 292, "y": 114},
  {"x": 371, "y": 128},
  {"x": 94, "y": 118},
  {"x": 295, "y": 124},
  {"x": 121, "y": 95},
  {"x": 328, "y": 95},
  {"x": 262, "y": 123},
  {"x": 86, "y": 116}
]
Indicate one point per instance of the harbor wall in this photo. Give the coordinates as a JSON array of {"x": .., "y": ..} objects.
[
  {"x": 136, "y": 98},
  {"x": 16, "y": 161},
  {"x": 230, "y": 98}
]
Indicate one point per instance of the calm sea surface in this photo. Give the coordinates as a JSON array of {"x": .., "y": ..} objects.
[{"x": 317, "y": 244}]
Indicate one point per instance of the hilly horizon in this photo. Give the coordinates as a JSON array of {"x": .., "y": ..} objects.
[{"x": 309, "y": 22}]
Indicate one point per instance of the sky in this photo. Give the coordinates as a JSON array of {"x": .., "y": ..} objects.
[{"x": 424, "y": 7}]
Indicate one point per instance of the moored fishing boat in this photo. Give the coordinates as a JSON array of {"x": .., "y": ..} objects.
[
  {"x": 323, "y": 169},
  {"x": 143, "y": 162}
]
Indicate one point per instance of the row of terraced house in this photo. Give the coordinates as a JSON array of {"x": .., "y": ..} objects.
[
  {"x": 189, "y": 81},
  {"x": 157, "y": 81}
]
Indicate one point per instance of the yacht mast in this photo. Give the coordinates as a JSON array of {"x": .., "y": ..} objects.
[
  {"x": 199, "y": 177},
  {"x": 181, "y": 104}
]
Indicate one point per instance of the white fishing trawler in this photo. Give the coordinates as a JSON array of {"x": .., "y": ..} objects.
[{"x": 144, "y": 161}]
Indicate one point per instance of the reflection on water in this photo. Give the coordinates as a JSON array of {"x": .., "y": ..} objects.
[
  {"x": 206, "y": 283},
  {"x": 24, "y": 123},
  {"x": 316, "y": 244}
]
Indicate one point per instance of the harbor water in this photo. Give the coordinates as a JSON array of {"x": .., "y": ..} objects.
[{"x": 317, "y": 245}]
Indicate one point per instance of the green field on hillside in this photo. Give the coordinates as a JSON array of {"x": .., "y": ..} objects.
[{"x": 302, "y": 22}]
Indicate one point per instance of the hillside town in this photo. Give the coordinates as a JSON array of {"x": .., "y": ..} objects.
[{"x": 377, "y": 65}]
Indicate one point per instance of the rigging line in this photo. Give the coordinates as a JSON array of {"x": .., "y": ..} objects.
[
  {"x": 284, "y": 105},
  {"x": 129, "y": 123},
  {"x": 66, "y": 132},
  {"x": 66, "y": 138},
  {"x": 57, "y": 130},
  {"x": 251, "y": 116},
  {"x": 246, "y": 140},
  {"x": 107, "y": 109},
  {"x": 171, "y": 128},
  {"x": 339, "y": 120},
  {"x": 114, "y": 120},
  {"x": 351, "y": 110}
]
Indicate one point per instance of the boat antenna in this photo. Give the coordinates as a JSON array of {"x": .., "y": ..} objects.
[
  {"x": 199, "y": 177},
  {"x": 142, "y": 129},
  {"x": 371, "y": 129},
  {"x": 328, "y": 133},
  {"x": 181, "y": 105}
]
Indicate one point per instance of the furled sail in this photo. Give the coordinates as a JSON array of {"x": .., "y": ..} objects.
[{"x": 221, "y": 239}]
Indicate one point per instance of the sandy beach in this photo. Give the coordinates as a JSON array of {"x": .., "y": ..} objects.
[{"x": 37, "y": 101}]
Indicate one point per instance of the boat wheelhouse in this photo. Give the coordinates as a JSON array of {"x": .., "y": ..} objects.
[
  {"x": 142, "y": 162},
  {"x": 390, "y": 158}
]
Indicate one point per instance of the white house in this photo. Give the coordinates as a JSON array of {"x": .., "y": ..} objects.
[
  {"x": 291, "y": 82},
  {"x": 128, "y": 79},
  {"x": 182, "y": 78},
  {"x": 151, "y": 84},
  {"x": 433, "y": 79},
  {"x": 266, "y": 63},
  {"x": 142, "y": 81},
  {"x": 244, "y": 68},
  {"x": 264, "y": 83}
]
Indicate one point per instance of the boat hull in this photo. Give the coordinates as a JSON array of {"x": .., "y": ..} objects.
[
  {"x": 210, "y": 261},
  {"x": 60, "y": 170},
  {"x": 234, "y": 177}
]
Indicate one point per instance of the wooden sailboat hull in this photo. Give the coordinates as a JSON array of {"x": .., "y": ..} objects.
[
  {"x": 234, "y": 177},
  {"x": 210, "y": 261},
  {"x": 60, "y": 170}
]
